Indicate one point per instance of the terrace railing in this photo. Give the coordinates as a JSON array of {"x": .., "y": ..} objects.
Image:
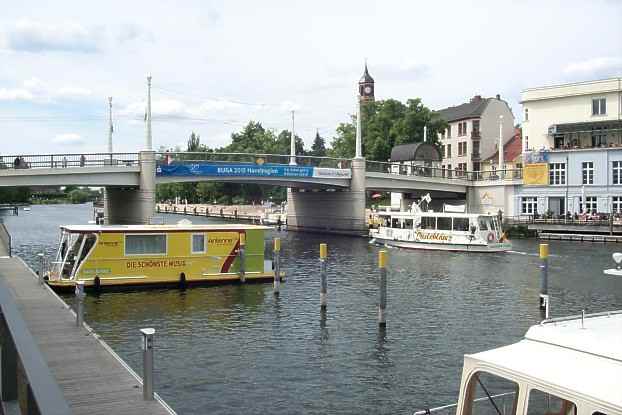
[
  {"x": 251, "y": 158},
  {"x": 60, "y": 161}
]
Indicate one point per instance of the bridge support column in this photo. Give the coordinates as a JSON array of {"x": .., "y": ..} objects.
[
  {"x": 125, "y": 206},
  {"x": 340, "y": 212}
]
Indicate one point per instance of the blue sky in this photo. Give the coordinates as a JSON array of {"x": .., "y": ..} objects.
[{"x": 216, "y": 65}]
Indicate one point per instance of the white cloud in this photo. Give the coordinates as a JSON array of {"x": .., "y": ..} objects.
[
  {"x": 604, "y": 66},
  {"x": 15, "y": 94},
  {"x": 68, "y": 138},
  {"x": 33, "y": 36},
  {"x": 72, "y": 92}
]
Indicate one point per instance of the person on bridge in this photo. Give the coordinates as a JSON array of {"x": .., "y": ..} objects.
[
  {"x": 82, "y": 160},
  {"x": 16, "y": 163}
]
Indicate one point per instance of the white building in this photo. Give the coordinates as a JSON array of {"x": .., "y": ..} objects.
[
  {"x": 573, "y": 149},
  {"x": 473, "y": 132}
]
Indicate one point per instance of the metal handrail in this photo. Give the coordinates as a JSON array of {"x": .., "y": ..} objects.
[
  {"x": 28, "y": 161},
  {"x": 579, "y": 316},
  {"x": 45, "y": 390},
  {"x": 190, "y": 157},
  {"x": 453, "y": 405},
  {"x": 454, "y": 174},
  {"x": 6, "y": 237}
]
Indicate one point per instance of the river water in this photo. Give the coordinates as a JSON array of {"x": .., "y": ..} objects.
[{"x": 237, "y": 349}]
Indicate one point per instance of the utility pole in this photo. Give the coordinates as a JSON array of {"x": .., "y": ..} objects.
[
  {"x": 359, "y": 137},
  {"x": 292, "y": 144},
  {"x": 148, "y": 145},
  {"x": 110, "y": 127}
]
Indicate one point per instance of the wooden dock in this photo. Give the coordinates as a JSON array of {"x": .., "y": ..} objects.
[{"x": 92, "y": 377}]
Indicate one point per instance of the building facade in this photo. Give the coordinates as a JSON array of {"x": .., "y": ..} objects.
[
  {"x": 572, "y": 138},
  {"x": 472, "y": 134}
]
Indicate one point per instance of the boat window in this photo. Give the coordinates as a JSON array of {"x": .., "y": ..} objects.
[
  {"x": 483, "y": 224},
  {"x": 544, "y": 403},
  {"x": 408, "y": 223},
  {"x": 461, "y": 224},
  {"x": 488, "y": 394},
  {"x": 395, "y": 223},
  {"x": 145, "y": 244},
  {"x": 198, "y": 243},
  {"x": 443, "y": 224},
  {"x": 428, "y": 222}
]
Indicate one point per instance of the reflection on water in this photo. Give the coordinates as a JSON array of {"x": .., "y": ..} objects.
[{"x": 234, "y": 349}]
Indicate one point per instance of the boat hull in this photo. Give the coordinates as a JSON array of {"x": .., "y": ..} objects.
[{"x": 431, "y": 246}]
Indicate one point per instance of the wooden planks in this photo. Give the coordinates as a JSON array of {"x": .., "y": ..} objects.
[{"x": 92, "y": 378}]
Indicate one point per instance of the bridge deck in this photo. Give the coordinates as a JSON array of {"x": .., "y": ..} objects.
[{"x": 93, "y": 379}]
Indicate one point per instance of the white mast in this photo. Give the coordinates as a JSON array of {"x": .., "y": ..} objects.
[
  {"x": 425, "y": 133},
  {"x": 110, "y": 127},
  {"x": 148, "y": 144},
  {"x": 501, "y": 146},
  {"x": 292, "y": 144}
]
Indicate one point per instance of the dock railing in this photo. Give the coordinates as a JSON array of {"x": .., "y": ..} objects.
[
  {"x": 5, "y": 238},
  {"x": 19, "y": 350}
]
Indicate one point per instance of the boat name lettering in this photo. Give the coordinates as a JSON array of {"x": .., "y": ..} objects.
[
  {"x": 220, "y": 241},
  {"x": 434, "y": 236},
  {"x": 159, "y": 263},
  {"x": 104, "y": 243}
]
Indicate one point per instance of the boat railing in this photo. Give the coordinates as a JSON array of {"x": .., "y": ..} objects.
[
  {"x": 449, "y": 409},
  {"x": 579, "y": 316}
]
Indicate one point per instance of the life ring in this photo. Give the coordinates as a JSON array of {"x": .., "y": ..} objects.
[{"x": 490, "y": 237}]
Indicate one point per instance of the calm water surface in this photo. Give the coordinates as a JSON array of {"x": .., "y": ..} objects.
[{"x": 237, "y": 349}]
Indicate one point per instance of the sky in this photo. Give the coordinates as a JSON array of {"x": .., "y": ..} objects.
[{"x": 216, "y": 65}]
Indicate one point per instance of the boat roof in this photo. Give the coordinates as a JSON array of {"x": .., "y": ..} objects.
[
  {"x": 439, "y": 214},
  {"x": 91, "y": 228},
  {"x": 583, "y": 361}
]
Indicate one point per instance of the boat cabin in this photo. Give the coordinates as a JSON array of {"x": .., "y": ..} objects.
[
  {"x": 570, "y": 366},
  {"x": 157, "y": 254}
]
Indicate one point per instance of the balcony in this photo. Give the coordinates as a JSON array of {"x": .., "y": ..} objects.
[{"x": 475, "y": 135}]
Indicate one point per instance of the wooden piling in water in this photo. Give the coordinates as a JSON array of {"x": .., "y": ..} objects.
[
  {"x": 382, "y": 301},
  {"x": 323, "y": 277},
  {"x": 277, "y": 266},
  {"x": 544, "y": 276}
]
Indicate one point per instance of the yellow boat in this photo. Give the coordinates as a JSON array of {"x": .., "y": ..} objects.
[{"x": 158, "y": 255}]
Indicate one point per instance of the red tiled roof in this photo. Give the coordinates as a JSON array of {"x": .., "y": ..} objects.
[{"x": 511, "y": 150}]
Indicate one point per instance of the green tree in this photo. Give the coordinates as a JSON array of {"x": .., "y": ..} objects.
[
  {"x": 77, "y": 196},
  {"x": 318, "y": 148}
]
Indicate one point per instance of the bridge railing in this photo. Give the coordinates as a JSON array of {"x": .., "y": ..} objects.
[
  {"x": 254, "y": 158},
  {"x": 60, "y": 161},
  {"x": 424, "y": 171}
]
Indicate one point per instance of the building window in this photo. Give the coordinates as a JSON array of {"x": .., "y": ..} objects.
[
  {"x": 599, "y": 106},
  {"x": 462, "y": 128},
  {"x": 145, "y": 244},
  {"x": 449, "y": 170},
  {"x": 448, "y": 154},
  {"x": 526, "y": 142},
  {"x": 590, "y": 204},
  {"x": 616, "y": 204},
  {"x": 526, "y": 114},
  {"x": 475, "y": 126},
  {"x": 599, "y": 136},
  {"x": 462, "y": 149},
  {"x": 529, "y": 205},
  {"x": 198, "y": 243},
  {"x": 449, "y": 131},
  {"x": 557, "y": 173},
  {"x": 587, "y": 168},
  {"x": 617, "y": 172}
]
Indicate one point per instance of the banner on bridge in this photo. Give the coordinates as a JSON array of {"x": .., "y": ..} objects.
[{"x": 248, "y": 170}]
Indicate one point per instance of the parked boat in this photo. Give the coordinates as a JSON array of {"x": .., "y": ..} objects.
[
  {"x": 563, "y": 366},
  {"x": 136, "y": 255},
  {"x": 447, "y": 231}
]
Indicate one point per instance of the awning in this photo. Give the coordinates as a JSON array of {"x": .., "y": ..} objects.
[{"x": 586, "y": 127}]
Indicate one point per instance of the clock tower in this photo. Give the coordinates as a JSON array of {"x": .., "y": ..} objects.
[{"x": 366, "y": 86}]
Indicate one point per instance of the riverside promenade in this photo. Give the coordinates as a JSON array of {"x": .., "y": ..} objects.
[{"x": 91, "y": 377}]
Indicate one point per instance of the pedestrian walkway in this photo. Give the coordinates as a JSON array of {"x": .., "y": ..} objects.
[{"x": 92, "y": 377}]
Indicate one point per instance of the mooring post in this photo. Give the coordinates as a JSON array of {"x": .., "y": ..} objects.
[
  {"x": 323, "y": 282},
  {"x": 544, "y": 276},
  {"x": 382, "y": 303},
  {"x": 79, "y": 303},
  {"x": 242, "y": 257},
  {"x": 277, "y": 266},
  {"x": 148, "y": 363},
  {"x": 41, "y": 267}
]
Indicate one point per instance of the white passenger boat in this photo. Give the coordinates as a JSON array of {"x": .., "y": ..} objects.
[
  {"x": 565, "y": 366},
  {"x": 447, "y": 231}
]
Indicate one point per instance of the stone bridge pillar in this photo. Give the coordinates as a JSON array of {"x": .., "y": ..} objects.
[
  {"x": 340, "y": 211},
  {"x": 126, "y": 206}
]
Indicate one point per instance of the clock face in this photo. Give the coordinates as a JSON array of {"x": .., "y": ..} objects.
[{"x": 367, "y": 89}]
